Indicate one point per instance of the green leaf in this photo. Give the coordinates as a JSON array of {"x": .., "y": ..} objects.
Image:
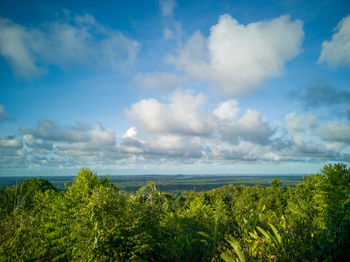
[
  {"x": 205, "y": 235},
  {"x": 237, "y": 247},
  {"x": 266, "y": 235},
  {"x": 227, "y": 257},
  {"x": 278, "y": 236}
]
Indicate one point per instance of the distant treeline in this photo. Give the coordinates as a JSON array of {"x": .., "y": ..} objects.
[
  {"x": 93, "y": 220},
  {"x": 170, "y": 183}
]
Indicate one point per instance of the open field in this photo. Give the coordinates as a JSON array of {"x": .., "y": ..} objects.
[{"x": 173, "y": 183}]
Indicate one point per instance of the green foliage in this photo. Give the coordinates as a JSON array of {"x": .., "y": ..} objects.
[{"x": 92, "y": 220}]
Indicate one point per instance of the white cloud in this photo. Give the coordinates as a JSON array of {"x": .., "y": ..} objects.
[
  {"x": 78, "y": 137},
  {"x": 179, "y": 131},
  {"x": 252, "y": 127},
  {"x": 336, "y": 132},
  {"x": 51, "y": 131},
  {"x": 237, "y": 58},
  {"x": 249, "y": 139},
  {"x": 167, "y": 7},
  {"x": 300, "y": 123},
  {"x": 193, "y": 57},
  {"x": 337, "y": 51},
  {"x": 80, "y": 40},
  {"x": 182, "y": 115},
  {"x": 158, "y": 81},
  {"x": 227, "y": 110},
  {"x": 131, "y": 143},
  {"x": 10, "y": 142},
  {"x": 99, "y": 137}
]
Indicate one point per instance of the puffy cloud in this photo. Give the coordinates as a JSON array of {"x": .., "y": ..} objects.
[
  {"x": 336, "y": 132},
  {"x": 10, "y": 142},
  {"x": 167, "y": 7},
  {"x": 178, "y": 132},
  {"x": 11, "y": 152},
  {"x": 336, "y": 52},
  {"x": 77, "y": 40},
  {"x": 39, "y": 144},
  {"x": 163, "y": 147},
  {"x": 52, "y": 145},
  {"x": 182, "y": 115},
  {"x": 252, "y": 127},
  {"x": 99, "y": 137},
  {"x": 237, "y": 58},
  {"x": 131, "y": 143},
  {"x": 300, "y": 123},
  {"x": 80, "y": 136},
  {"x": 227, "y": 110},
  {"x": 176, "y": 146},
  {"x": 48, "y": 130},
  {"x": 193, "y": 58},
  {"x": 158, "y": 81}
]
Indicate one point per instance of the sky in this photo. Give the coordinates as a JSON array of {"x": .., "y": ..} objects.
[{"x": 174, "y": 87}]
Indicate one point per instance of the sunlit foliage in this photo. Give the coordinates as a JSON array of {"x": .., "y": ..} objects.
[{"x": 92, "y": 220}]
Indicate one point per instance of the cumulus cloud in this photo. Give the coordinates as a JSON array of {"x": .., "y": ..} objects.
[
  {"x": 80, "y": 136},
  {"x": 179, "y": 131},
  {"x": 78, "y": 40},
  {"x": 183, "y": 115},
  {"x": 252, "y": 127},
  {"x": 227, "y": 110},
  {"x": 51, "y": 131},
  {"x": 300, "y": 123},
  {"x": 158, "y": 81},
  {"x": 237, "y": 58},
  {"x": 49, "y": 144},
  {"x": 11, "y": 152},
  {"x": 336, "y": 132},
  {"x": 131, "y": 143},
  {"x": 167, "y": 7},
  {"x": 10, "y": 142},
  {"x": 336, "y": 52},
  {"x": 250, "y": 139}
]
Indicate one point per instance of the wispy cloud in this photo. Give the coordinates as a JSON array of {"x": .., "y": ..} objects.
[
  {"x": 158, "y": 81},
  {"x": 167, "y": 7},
  {"x": 73, "y": 41}
]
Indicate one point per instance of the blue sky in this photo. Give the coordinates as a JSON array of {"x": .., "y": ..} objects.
[{"x": 168, "y": 87}]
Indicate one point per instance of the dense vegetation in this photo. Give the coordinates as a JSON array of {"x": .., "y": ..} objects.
[{"x": 92, "y": 220}]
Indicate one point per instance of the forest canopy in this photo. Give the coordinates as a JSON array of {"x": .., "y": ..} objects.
[{"x": 93, "y": 220}]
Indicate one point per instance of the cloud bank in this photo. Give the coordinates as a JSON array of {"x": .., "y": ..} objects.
[{"x": 179, "y": 130}]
